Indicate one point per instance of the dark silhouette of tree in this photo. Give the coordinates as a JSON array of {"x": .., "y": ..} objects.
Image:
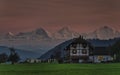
[
  {"x": 116, "y": 51},
  {"x": 13, "y": 57},
  {"x": 3, "y": 58},
  {"x": 58, "y": 56}
]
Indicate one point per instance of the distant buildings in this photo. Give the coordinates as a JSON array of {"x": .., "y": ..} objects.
[{"x": 31, "y": 60}]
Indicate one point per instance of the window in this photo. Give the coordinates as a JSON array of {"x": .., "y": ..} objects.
[
  {"x": 84, "y": 51},
  {"x": 84, "y": 45},
  {"x": 74, "y": 51}
]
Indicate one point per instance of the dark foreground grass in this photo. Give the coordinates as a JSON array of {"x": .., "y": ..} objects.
[{"x": 60, "y": 69}]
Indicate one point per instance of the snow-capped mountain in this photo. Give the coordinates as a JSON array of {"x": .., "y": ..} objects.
[
  {"x": 103, "y": 33},
  {"x": 8, "y": 35},
  {"x": 65, "y": 33},
  {"x": 35, "y": 34}
]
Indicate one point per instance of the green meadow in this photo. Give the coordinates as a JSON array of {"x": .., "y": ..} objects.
[{"x": 60, "y": 69}]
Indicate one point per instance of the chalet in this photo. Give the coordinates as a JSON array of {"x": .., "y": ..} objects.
[{"x": 81, "y": 50}]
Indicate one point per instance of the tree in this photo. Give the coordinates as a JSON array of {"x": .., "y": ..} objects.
[
  {"x": 58, "y": 56},
  {"x": 13, "y": 57},
  {"x": 116, "y": 51},
  {"x": 3, "y": 58}
]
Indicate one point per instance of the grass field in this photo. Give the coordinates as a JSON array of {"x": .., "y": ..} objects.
[{"x": 60, "y": 69}]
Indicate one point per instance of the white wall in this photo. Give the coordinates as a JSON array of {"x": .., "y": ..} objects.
[{"x": 99, "y": 58}]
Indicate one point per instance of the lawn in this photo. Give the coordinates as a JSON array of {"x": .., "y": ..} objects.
[{"x": 60, "y": 69}]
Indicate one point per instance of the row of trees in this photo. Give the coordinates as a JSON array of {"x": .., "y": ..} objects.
[{"x": 13, "y": 57}]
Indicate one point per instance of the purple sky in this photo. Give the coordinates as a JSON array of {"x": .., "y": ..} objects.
[{"x": 80, "y": 15}]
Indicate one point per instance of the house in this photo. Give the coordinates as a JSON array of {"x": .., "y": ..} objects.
[
  {"x": 81, "y": 51},
  {"x": 78, "y": 51}
]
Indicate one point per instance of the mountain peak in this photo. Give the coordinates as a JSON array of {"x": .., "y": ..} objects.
[
  {"x": 10, "y": 34},
  {"x": 39, "y": 33},
  {"x": 42, "y": 32},
  {"x": 39, "y": 30},
  {"x": 65, "y": 33},
  {"x": 106, "y": 27},
  {"x": 65, "y": 30},
  {"x": 105, "y": 33}
]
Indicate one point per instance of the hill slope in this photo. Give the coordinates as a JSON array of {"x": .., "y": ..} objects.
[{"x": 22, "y": 53}]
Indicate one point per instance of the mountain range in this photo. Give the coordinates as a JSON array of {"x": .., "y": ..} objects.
[{"x": 103, "y": 33}]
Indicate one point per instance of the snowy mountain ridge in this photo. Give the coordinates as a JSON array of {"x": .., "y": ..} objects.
[{"x": 103, "y": 33}]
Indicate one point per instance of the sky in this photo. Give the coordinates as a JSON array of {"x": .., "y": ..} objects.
[{"x": 79, "y": 15}]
